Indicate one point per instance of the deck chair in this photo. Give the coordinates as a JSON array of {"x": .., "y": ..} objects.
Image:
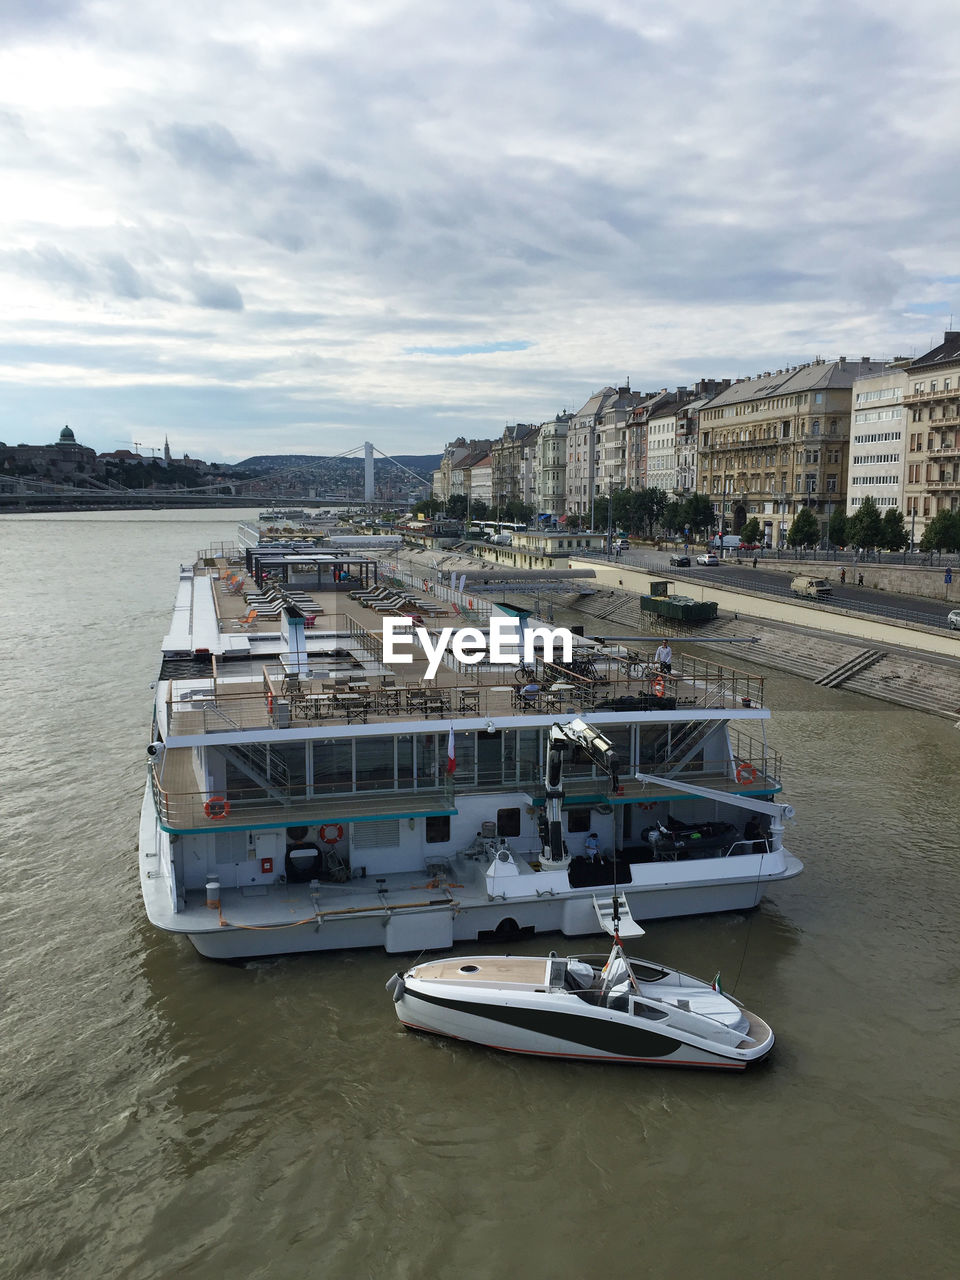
[{"x": 244, "y": 624}]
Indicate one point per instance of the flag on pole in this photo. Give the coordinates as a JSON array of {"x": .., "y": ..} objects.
[
  {"x": 716, "y": 984},
  {"x": 451, "y": 753}
]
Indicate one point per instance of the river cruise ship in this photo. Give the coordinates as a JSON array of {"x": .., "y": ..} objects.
[{"x": 307, "y": 790}]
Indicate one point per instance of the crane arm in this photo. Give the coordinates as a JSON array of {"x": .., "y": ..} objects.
[{"x": 577, "y": 733}]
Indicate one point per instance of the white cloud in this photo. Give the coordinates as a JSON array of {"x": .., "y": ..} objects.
[{"x": 283, "y": 206}]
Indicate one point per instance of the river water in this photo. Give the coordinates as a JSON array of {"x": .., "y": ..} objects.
[{"x": 166, "y": 1116}]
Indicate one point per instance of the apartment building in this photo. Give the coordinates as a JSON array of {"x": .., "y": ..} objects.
[
  {"x": 550, "y": 467},
  {"x": 458, "y": 457},
  {"x": 513, "y": 457},
  {"x": 597, "y": 446},
  {"x": 878, "y": 445},
  {"x": 775, "y": 442},
  {"x": 931, "y": 404},
  {"x": 661, "y": 453}
]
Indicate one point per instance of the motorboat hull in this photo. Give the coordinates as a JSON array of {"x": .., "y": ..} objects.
[{"x": 558, "y": 1024}]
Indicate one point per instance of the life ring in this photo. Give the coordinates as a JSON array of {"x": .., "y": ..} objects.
[
  {"x": 217, "y": 807},
  {"x": 645, "y": 806},
  {"x": 746, "y": 773},
  {"x": 659, "y": 685},
  {"x": 337, "y": 832}
]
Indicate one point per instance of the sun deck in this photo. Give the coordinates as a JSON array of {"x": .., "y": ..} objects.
[{"x": 230, "y": 668}]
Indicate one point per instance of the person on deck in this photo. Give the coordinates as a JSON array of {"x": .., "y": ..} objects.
[
  {"x": 591, "y": 846},
  {"x": 664, "y": 657}
]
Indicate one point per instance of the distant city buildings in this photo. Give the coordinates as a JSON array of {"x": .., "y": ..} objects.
[{"x": 819, "y": 436}]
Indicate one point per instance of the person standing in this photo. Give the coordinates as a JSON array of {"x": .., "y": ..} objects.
[
  {"x": 754, "y": 561},
  {"x": 843, "y": 576},
  {"x": 859, "y": 579},
  {"x": 664, "y": 657}
]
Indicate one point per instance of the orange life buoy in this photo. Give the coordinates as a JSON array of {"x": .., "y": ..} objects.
[
  {"x": 746, "y": 773},
  {"x": 217, "y": 807},
  {"x": 337, "y": 833},
  {"x": 659, "y": 684}
]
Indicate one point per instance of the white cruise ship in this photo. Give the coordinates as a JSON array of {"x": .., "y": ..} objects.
[{"x": 308, "y": 791}]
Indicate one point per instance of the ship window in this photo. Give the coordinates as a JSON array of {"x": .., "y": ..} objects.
[
  {"x": 578, "y": 820},
  {"x": 374, "y": 764},
  {"x": 438, "y": 829},
  {"x": 427, "y": 760},
  {"x": 508, "y": 822},
  {"x": 332, "y": 766}
]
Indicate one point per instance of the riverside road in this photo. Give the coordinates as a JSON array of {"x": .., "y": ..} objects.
[{"x": 887, "y": 604}]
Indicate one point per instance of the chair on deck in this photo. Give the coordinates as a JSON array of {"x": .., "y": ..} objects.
[{"x": 244, "y": 624}]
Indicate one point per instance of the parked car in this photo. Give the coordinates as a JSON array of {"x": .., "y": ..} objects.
[
  {"x": 707, "y": 557},
  {"x": 681, "y": 562},
  {"x": 953, "y": 619}
]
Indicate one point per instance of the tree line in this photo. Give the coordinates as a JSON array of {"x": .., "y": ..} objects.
[{"x": 648, "y": 512}]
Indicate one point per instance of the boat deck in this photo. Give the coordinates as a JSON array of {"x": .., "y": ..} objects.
[
  {"x": 487, "y": 970},
  {"x": 344, "y": 677}
]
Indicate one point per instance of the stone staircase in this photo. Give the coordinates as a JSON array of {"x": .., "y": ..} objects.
[{"x": 852, "y": 667}]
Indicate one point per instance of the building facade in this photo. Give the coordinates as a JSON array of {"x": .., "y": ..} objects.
[
  {"x": 777, "y": 442},
  {"x": 448, "y": 479},
  {"x": 931, "y": 405},
  {"x": 550, "y": 474},
  {"x": 878, "y": 445}
]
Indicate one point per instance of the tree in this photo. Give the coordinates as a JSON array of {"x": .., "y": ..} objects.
[
  {"x": 893, "y": 535},
  {"x": 518, "y": 511},
  {"x": 623, "y": 509},
  {"x": 479, "y": 509},
  {"x": 865, "y": 527},
  {"x": 750, "y": 533},
  {"x": 837, "y": 528},
  {"x": 650, "y": 507},
  {"x": 600, "y": 513},
  {"x": 456, "y": 506},
  {"x": 672, "y": 519},
  {"x": 805, "y": 530},
  {"x": 698, "y": 513},
  {"x": 942, "y": 533}
]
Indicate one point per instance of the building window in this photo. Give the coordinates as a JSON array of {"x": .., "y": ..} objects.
[{"x": 438, "y": 829}]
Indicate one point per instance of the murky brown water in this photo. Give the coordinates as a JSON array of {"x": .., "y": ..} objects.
[{"x": 166, "y": 1116}]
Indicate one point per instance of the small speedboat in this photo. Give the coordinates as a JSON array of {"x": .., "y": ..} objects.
[{"x": 621, "y": 1010}]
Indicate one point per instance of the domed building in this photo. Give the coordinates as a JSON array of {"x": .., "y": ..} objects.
[{"x": 64, "y": 458}]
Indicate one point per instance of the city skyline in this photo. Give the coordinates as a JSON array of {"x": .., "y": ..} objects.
[{"x": 401, "y": 221}]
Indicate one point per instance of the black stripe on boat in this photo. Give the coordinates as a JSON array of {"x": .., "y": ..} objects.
[{"x": 591, "y": 1033}]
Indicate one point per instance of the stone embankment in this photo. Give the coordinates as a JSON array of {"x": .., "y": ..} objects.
[{"x": 899, "y": 579}]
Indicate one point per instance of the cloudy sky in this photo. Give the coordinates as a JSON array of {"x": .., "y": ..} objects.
[{"x": 292, "y": 226}]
